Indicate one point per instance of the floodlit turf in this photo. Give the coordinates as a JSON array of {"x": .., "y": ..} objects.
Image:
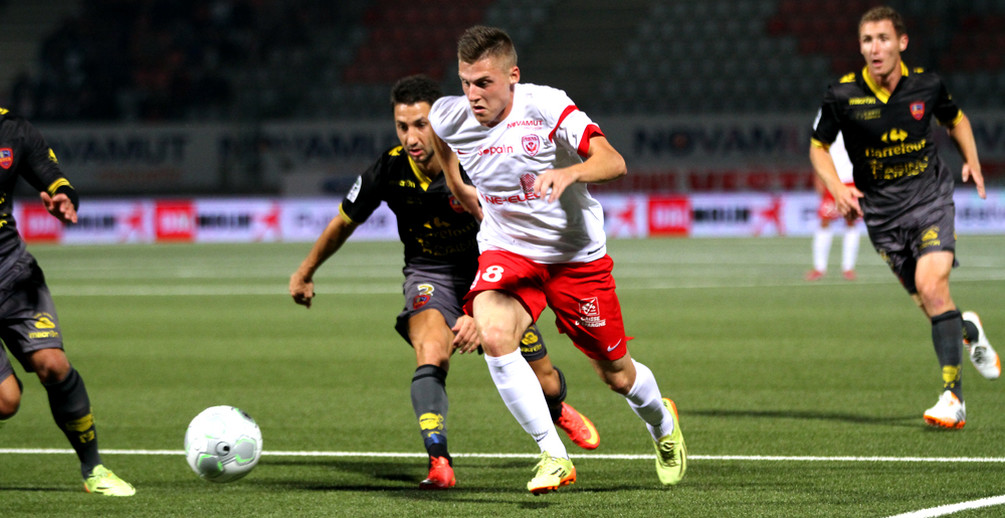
[{"x": 760, "y": 363}]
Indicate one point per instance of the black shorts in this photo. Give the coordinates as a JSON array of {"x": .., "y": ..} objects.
[
  {"x": 433, "y": 287},
  {"x": 28, "y": 320},
  {"x": 919, "y": 233}
]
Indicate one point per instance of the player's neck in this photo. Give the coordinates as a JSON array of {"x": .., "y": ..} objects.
[
  {"x": 889, "y": 81},
  {"x": 432, "y": 168}
]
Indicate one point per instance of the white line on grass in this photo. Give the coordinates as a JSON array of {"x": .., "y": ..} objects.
[
  {"x": 615, "y": 456},
  {"x": 943, "y": 510}
]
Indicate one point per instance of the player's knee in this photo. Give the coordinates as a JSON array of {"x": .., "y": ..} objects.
[
  {"x": 619, "y": 382},
  {"x": 51, "y": 365},
  {"x": 497, "y": 340},
  {"x": 10, "y": 402}
]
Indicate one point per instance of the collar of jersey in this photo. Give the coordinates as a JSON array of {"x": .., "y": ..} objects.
[
  {"x": 424, "y": 180},
  {"x": 881, "y": 93}
]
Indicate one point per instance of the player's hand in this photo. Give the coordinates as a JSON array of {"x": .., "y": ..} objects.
[
  {"x": 555, "y": 181},
  {"x": 975, "y": 173},
  {"x": 301, "y": 290},
  {"x": 60, "y": 206},
  {"x": 846, "y": 199},
  {"x": 465, "y": 334}
]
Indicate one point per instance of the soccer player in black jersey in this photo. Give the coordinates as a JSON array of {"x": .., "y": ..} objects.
[
  {"x": 441, "y": 257},
  {"x": 29, "y": 327},
  {"x": 904, "y": 192}
]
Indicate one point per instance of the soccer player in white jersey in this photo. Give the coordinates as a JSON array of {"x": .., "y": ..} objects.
[
  {"x": 530, "y": 154},
  {"x": 828, "y": 213}
]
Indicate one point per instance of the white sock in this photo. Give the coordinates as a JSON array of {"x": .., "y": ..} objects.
[
  {"x": 821, "y": 248},
  {"x": 647, "y": 403},
  {"x": 849, "y": 248},
  {"x": 521, "y": 392}
]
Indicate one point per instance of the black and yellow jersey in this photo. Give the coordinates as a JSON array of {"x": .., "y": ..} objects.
[
  {"x": 23, "y": 153},
  {"x": 432, "y": 224},
  {"x": 889, "y": 139}
]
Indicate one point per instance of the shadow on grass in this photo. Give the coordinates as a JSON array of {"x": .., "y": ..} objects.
[
  {"x": 881, "y": 420},
  {"x": 492, "y": 483}
]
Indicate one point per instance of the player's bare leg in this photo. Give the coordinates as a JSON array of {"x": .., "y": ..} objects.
[{"x": 502, "y": 321}]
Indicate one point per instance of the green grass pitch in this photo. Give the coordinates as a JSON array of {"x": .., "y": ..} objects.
[{"x": 796, "y": 398}]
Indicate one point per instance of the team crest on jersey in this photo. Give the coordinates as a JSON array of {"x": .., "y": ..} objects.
[
  {"x": 918, "y": 110},
  {"x": 6, "y": 157},
  {"x": 456, "y": 205},
  {"x": 531, "y": 144}
]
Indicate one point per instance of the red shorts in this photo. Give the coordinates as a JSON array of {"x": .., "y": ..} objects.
[
  {"x": 581, "y": 295},
  {"x": 828, "y": 207}
]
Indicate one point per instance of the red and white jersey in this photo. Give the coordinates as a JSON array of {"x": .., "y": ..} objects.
[
  {"x": 840, "y": 156},
  {"x": 544, "y": 130},
  {"x": 841, "y": 160}
]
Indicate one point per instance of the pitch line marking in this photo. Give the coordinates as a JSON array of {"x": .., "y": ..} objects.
[
  {"x": 944, "y": 510},
  {"x": 609, "y": 456}
]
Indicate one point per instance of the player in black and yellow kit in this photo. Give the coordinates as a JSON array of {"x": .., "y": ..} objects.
[
  {"x": 441, "y": 257},
  {"x": 29, "y": 326},
  {"x": 904, "y": 192}
]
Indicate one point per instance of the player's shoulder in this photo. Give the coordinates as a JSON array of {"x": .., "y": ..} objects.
[
  {"x": 542, "y": 95},
  {"x": 923, "y": 75},
  {"x": 391, "y": 157},
  {"x": 447, "y": 110}
]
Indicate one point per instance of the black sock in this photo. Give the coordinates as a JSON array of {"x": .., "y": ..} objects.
[
  {"x": 555, "y": 402},
  {"x": 970, "y": 332},
  {"x": 429, "y": 400},
  {"x": 947, "y": 336},
  {"x": 71, "y": 409}
]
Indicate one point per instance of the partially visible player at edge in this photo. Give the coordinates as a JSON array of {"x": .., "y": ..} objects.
[
  {"x": 827, "y": 214},
  {"x": 531, "y": 153},
  {"x": 30, "y": 328},
  {"x": 904, "y": 191},
  {"x": 441, "y": 255}
]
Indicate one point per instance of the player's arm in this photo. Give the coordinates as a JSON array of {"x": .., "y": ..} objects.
[
  {"x": 962, "y": 134},
  {"x": 846, "y": 198},
  {"x": 332, "y": 238},
  {"x": 603, "y": 164},
  {"x": 466, "y": 194}
]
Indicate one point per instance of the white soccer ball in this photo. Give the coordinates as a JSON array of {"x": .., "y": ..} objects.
[{"x": 223, "y": 444}]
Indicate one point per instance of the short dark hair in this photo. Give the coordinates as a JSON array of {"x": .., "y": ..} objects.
[
  {"x": 480, "y": 41},
  {"x": 415, "y": 89},
  {"x": 883, "y": 12}
]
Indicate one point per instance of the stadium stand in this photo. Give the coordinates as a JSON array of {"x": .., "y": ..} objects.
[{"x": 154, "y": 60}]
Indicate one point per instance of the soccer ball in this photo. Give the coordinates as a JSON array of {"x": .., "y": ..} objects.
[{"x": 223, "y": 444}]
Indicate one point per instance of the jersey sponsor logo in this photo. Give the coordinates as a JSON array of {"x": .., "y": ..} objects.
[
  {"x": 6, "y": 157},
  {"x": 496, "y": 150},
  {"x": 918, "y": 110},
  {"x": 516, "y": 198},
  {"x": 854, "y": 101},
  {"x": 531, "y": 144},
  {"x": 532, "y": 123}
]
